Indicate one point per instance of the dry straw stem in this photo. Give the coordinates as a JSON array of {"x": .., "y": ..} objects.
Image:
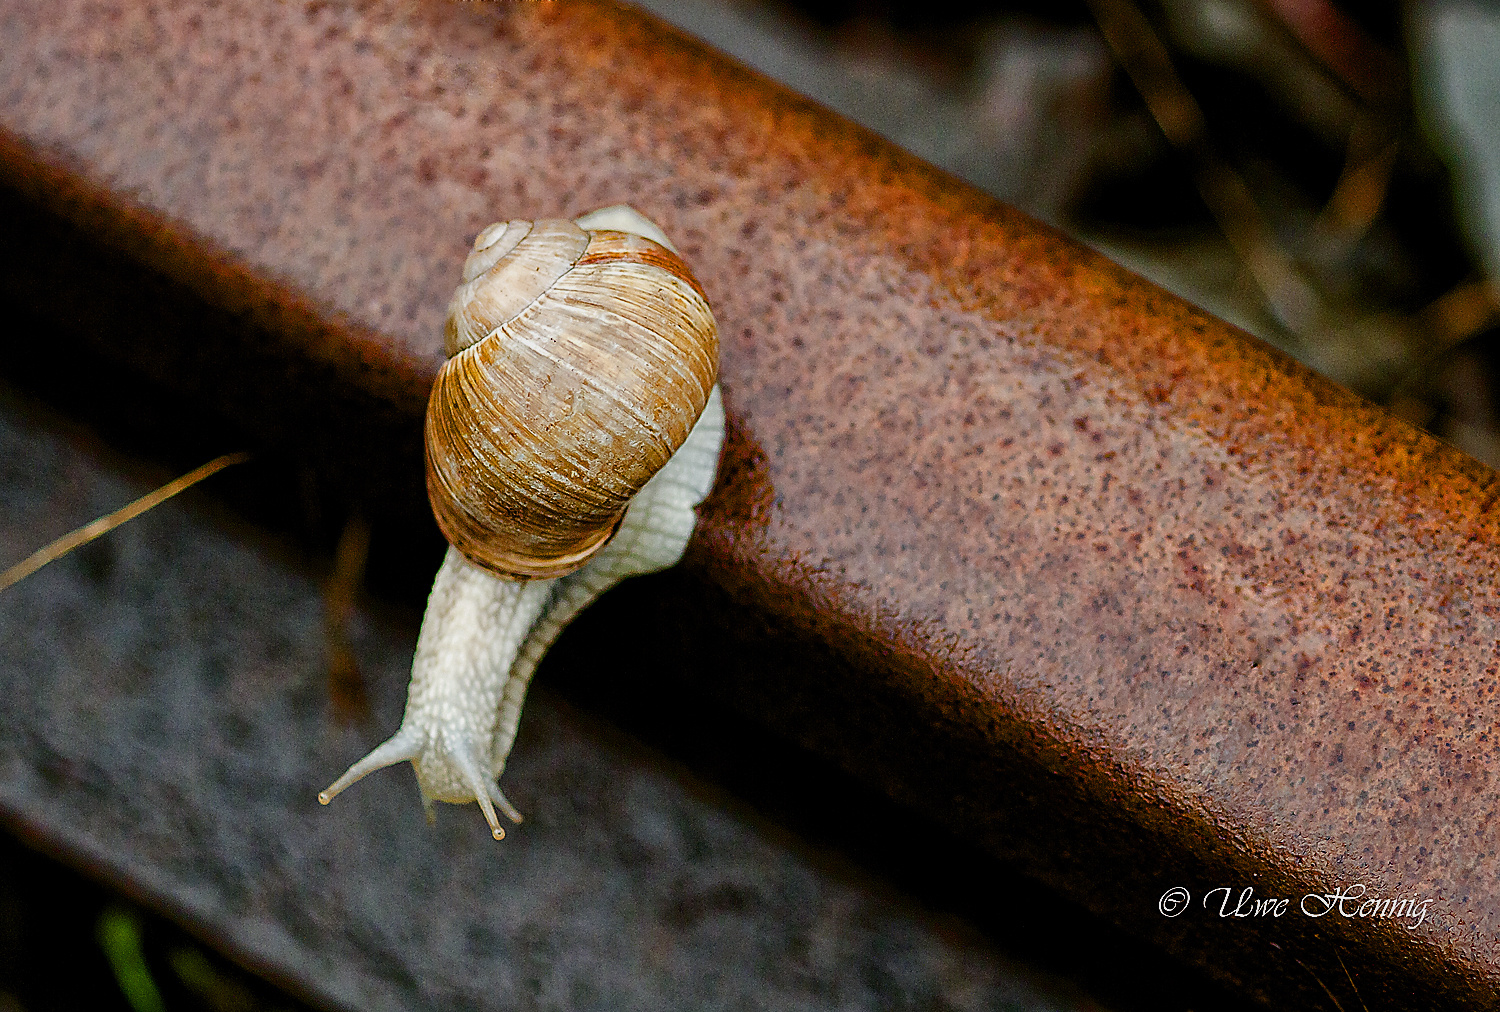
[
  {"x": 83, "y": 535},
  {"x": 1289, "y": 296},
  {"x": 346, "y": 686},
  {"x": 1361, "y": 190}
]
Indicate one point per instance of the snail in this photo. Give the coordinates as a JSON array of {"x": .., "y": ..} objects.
[{"x": 570, "y": 435}]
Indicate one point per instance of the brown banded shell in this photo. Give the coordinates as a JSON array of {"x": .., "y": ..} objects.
[{"x": 579, "y": 362}]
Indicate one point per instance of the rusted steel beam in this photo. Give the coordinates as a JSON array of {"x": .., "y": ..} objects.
[{"x": 1112, "y": 588}]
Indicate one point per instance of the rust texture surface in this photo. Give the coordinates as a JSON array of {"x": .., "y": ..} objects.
[{"x": 1111, "y": 587}]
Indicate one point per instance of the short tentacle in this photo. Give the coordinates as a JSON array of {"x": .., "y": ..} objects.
[
  {"x": 474, "y": 626},
  {"x": 503, "y": 803},
  {"x": 474, "y": 777},
  {"x": 403, "y": 746}
]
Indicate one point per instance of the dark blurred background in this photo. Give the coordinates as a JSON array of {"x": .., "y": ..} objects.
[{"x": 1324, "y": 175}]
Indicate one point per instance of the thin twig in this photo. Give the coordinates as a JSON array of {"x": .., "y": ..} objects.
[
  {"x": 1340, "y": 958},
  {"x": 1361, "y": 189},
  {"x": 1320, "y": 983},
  {"x": 1289, "y": 296},
  {"x": 345, "y": 683},
  {"x": 1462, "y": 313},
  {"x": 83, "y": 535}
]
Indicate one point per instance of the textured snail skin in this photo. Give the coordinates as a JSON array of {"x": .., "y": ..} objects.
[{"x": 483, "y": 635}]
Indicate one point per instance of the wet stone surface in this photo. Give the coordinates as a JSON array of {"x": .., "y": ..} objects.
[{"x": 165, "y": 724}]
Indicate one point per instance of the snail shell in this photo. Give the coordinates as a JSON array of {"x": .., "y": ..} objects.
[
  {"x": 582, "y": 357},
  {"x": 579, "y": 362}
]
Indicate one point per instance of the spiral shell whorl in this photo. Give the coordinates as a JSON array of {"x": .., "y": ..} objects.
[{"x": 579, "y": 363}]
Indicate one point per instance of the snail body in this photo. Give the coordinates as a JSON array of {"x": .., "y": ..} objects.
[{"x": 570, "y": 435}]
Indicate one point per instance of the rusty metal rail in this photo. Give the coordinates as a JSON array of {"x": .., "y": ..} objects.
[{"x": 1106, "y": 585}]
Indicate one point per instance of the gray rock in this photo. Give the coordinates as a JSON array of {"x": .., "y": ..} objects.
[{"x": 164, "y": 723}]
